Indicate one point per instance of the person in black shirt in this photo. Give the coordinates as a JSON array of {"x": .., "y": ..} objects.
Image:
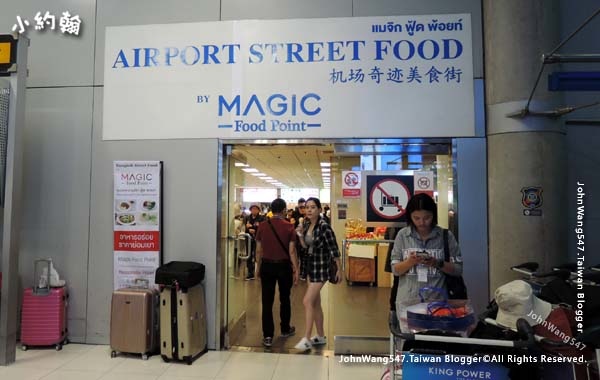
[{"x": 251, "y": 224}]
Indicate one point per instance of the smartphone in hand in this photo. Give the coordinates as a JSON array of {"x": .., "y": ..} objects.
[{"x": 423, "y": 255}]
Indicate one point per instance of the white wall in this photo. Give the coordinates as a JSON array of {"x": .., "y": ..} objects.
[{"x": 68, "y": 179}]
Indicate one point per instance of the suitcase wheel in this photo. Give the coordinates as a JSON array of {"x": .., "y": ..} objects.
[
  {"x": 189, "y": 360},
  {"x": 58, "y": 347},
  {"x": 113, "y": 354},
  {"x": 23, "y": 347},
  {"x": 165, "y": 358},
  {"x": 144, "y": 356}
]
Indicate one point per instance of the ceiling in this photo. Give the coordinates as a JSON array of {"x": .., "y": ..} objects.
[
  {"x": 299, "y": 165},
  {"x": 296, "y": 166}
]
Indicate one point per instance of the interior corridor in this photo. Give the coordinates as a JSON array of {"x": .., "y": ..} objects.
[{"x": 347, "y": 309}]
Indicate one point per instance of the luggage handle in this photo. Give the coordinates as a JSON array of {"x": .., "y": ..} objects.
[{"x": 37, "y": 289}]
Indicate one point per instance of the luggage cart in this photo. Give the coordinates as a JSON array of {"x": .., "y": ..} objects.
[
  {"x": 403, "y": 361},
  {"x": 563, "y": 284},
  {"x": 482, "y": 358}
]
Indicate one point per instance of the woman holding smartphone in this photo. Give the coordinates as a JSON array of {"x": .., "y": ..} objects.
[{"x": 418, "y": 254}]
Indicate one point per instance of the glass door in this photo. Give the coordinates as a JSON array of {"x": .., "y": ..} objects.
[
  {"x": 356, "y": 310},
  {"x": 359, "y": 307},
  {"x": 234, "y": 258}
]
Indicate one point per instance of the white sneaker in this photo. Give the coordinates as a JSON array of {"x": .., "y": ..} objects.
[
  {"x": 303, "y": 345},
  {"x": 318, "y": 340}
]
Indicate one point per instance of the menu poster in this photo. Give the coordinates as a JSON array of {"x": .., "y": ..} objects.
[{"x": 137, "y": 222}]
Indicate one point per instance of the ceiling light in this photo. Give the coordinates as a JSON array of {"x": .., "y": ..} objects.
[
  {"x": 259, "y": 174},
  {"x": 271, "y": 180},
  {"x": 325, "y": 164},
  {"x": 326, "y": 170},
  {"x": 265, "y": 177},
  {"x": 241, "y": 164},
  {"x": 250, "y": 170}
]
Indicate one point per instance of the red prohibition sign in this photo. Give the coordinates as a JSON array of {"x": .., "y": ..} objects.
[
  {"x": 351, "y": 179},
  {"x": 388, "y": 198}
]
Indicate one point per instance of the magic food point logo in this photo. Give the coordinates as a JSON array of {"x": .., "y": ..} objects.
[
  {"x": 136, "y": 178},
  {"x": 279, "y": 112}
]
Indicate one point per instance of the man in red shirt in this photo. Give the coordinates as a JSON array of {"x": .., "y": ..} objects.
[{"x": 276, "y": 263}]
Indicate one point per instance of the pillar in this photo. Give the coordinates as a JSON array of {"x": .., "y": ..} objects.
[{"x": 527, "y": 151}]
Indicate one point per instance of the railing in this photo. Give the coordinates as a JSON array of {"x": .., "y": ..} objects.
[{"x": 248, "y": 238}]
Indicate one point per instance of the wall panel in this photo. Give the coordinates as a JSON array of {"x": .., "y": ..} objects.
[
  {"x": 56, "y": 189},
  {"x": 55, "y": 59},
  {"x": 189, "y": 214}
]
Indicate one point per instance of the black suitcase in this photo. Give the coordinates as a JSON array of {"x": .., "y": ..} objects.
[{"x": 183, "y": 273}]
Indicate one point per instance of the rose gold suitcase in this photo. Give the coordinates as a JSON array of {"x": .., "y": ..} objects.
[{"x": 134, "y": 322}]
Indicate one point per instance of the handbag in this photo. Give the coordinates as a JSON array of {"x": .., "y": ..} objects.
[
  {"x": 455, "y": 285},
  {"x": 332, "y": 272}
]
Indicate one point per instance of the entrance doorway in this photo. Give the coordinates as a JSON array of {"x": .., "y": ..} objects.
[{"x": 356, "y": 310}]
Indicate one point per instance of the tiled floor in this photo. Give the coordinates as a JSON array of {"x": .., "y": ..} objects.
[{"x": 89, "y": 362}]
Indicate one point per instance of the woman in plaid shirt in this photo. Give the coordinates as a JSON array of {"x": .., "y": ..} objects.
[{"x": 318, "y": 238}]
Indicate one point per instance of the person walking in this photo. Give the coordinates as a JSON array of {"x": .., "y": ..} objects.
[
  {"x": 276, "y": 264},
  {"x": 251, "y": 223},
  {"x": 318, "y": 239}
]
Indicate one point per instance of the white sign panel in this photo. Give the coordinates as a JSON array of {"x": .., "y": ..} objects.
[
  {"x": 371, "y": 77},
  {"x": 423, "y": 182},
  {"x": 351, "y": 184},
  {"x": 136, "y": 221}
]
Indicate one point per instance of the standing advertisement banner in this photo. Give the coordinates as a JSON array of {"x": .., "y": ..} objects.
[{"x": 137, "y": 221}]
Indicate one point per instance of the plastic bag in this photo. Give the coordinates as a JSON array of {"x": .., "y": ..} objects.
[
  {"x": 55, "y": 281},
  {"x": 436, "y": 312}
]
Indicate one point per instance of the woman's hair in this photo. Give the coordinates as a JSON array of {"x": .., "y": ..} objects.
[
  {"x": 424, "y": 202},
  {"x": 316, "y": 200}
]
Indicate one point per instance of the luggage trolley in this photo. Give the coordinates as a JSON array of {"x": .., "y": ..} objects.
[
  {"x": 485, "y": 358},
  {"x": 472, "y": 358}
]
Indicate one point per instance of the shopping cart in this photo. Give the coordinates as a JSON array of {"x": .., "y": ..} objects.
[{"x": 453, "y": 357}]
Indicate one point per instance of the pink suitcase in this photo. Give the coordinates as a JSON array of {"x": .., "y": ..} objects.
[{"x": 44, "y": 317}]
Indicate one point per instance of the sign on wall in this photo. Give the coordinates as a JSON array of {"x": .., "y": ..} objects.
[
  {"x": 362, "y": 77},
  {"x": 137, "y": 221},
  {"x": 386, "y": 197},
  {"x": 424, "y": 183},
  {"x": 350, "y": 184}
]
